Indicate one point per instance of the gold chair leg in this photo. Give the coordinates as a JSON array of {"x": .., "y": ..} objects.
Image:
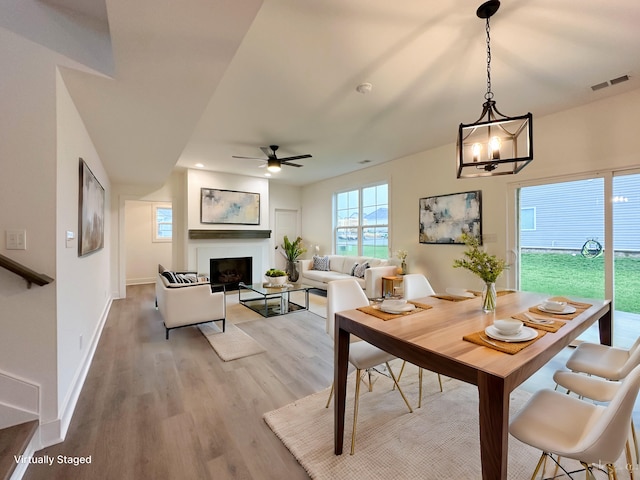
[
  {"x": 543, "y": 457},
  {"x": 419, "y": 388},
  {"x": 611, "y": 472},
  {"x": 355, "y": 413},
  {"x": 635, "y": 440},
  {"x": 329, "y": 399},
  {"x": 370, "y": 380},
  {"x": 440, "y": 382},
  {"x": 627, "y": 452},
  {"x": 399, "y": 389},
  {"x": 588, "y": 474},
  {"x": 404, "y": 362}
]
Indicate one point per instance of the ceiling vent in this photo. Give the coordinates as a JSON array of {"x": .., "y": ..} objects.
[
  {"x": 618, "y": 80},
  {"x": 615, "y": 81}
]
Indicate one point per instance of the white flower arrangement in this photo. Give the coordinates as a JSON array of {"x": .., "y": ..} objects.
[{"x": 402, "y": 255}]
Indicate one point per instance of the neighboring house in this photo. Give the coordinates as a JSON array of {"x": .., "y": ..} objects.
[{"x": 568, "y": 214}]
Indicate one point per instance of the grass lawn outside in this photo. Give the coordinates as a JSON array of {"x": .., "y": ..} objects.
[{"x": 572, "y": 274}]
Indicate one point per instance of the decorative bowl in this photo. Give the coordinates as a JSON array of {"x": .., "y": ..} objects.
[{"x": 509, "y": 326}]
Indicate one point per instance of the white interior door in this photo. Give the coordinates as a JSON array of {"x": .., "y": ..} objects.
[{"x": 286, "y": 224}]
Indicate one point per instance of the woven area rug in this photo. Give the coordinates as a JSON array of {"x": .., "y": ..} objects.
[
  {"x": 439, "y": 440},
  {"x": 232, "y": 344}
]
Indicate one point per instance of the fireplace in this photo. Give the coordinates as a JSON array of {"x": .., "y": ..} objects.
[{"x": 231, "y": 271}]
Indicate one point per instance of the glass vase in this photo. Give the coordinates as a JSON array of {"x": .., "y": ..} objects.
[
  {"x": 292, "y": 271},
  {"x": 403, "y": 267},
  {"x": 489, "y": 297}
]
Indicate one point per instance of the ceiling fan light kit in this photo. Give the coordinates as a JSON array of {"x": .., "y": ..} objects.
[
  {"x": 494, "y": 144},
  {"x": 274, "y": 164}
]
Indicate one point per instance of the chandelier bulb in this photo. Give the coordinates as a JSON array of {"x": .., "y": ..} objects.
[{"x": 494, "y": 148}]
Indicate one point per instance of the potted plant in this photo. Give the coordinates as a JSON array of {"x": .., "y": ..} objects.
[
  {"x": 487, "y": 267},
  {"x": 276, "y": 277},
  {"x": 291, "y": 251}
]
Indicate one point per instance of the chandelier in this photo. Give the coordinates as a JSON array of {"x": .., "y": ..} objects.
[{"x": 494, "y": 144}]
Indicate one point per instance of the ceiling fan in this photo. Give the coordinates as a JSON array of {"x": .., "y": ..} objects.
[{"x": 274, "y": 163}]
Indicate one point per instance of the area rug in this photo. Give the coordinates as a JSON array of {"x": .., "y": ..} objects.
[
  {"x": 231, "y": 344},
  {"x": 439, "y": 440}
]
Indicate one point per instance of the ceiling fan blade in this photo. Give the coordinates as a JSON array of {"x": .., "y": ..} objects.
[
  {"x": 296, "y": 157},
  {"x": 251, "y": 158},
  {"x": 290, "y": 164},
  {"x": 268, "y": 152}
]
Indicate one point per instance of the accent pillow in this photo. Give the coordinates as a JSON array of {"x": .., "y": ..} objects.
[
  {"x": 174, "y": 277},
  {"x": 321, "y": 263},
  {"x": 353, "y": 269},
  {"x": 358, "y": 271}
]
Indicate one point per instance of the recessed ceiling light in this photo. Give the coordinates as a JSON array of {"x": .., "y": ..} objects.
[{"x": 199, "y": 165}]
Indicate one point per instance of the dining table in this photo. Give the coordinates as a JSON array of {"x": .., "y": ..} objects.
[{"x": 432, "y": 338}]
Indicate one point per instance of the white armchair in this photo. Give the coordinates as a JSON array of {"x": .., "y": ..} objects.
[{"x": 186, "y": 304}]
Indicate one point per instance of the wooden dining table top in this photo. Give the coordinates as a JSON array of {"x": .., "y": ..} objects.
[{"x": 440, "y": 330}]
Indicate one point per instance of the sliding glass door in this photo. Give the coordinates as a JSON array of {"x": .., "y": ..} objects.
[
  {"x": 562, "y": 238},
  {"x": 582, "y": 238}
]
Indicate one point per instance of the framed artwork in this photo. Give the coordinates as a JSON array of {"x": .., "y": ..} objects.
[
  {"x": 444, "y": 218},
  {"x": 90, "y": 212},
  {"x": 229, "y": 206}
]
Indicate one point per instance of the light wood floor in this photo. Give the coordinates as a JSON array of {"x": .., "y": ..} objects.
[{"x": 157, "y": 409}]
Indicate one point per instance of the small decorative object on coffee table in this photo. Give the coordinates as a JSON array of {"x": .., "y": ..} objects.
[
  {"x": 291, "y": 251},
  {"x": 276, "y": 277},
  {"x": 487, "y": 267}
]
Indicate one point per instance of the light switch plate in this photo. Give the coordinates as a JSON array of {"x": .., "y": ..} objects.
[{"x": 16, "y": 239}]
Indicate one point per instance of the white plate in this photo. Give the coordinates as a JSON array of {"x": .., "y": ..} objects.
[
  {"x": 404, "y": 308},
  {"x": 523, "y": 335},
  {"x": 567, "y": 309},
  {"x": 459, "y": 293}
]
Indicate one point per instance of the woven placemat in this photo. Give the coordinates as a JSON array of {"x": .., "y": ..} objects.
[
  {"x": 376, "y": 312},
  {"x": 549, "y": 327},
  {"x": 423, "y": 306},
  {"x": 481, "y": 338},
  {"x": 573, "y": 303}
]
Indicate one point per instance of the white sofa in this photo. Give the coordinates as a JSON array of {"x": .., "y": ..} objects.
[
  {"x": 340, "y": 267},
  {"x": 186, "y": 304}
]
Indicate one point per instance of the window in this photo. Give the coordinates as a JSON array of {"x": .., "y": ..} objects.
[
  {"x": 528, "y": 218},
  {"x": 362, "y": 222},
  {"x": 162, "y": 222}
]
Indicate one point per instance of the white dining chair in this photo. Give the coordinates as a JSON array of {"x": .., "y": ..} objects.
[
  {"x": 569, "y": 427},
  {"x": 604, "y": 361},
  {"x": 347, "y": 295},
  {"x": 416, "y": 285},
  {"x": 598, "y": 390}
]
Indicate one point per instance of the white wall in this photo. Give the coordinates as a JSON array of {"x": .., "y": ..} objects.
[
  {"x": 28, "y": 200},
  {"x": 38, "y": 191},
  {"x": 199, "y": 251},
  {"x": 599, "y": 135},
  {"x": 83, "y": 294},
  {"x": 143, "y": 254}
]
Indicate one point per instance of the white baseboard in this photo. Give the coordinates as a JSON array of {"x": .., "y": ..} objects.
[{"x": 54, "y": 432}]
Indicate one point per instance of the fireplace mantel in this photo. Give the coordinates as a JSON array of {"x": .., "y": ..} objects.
[{"x": 224, "y": 234}]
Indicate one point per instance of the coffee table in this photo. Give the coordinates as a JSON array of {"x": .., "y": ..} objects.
[{"x": 272, "y": 301}]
